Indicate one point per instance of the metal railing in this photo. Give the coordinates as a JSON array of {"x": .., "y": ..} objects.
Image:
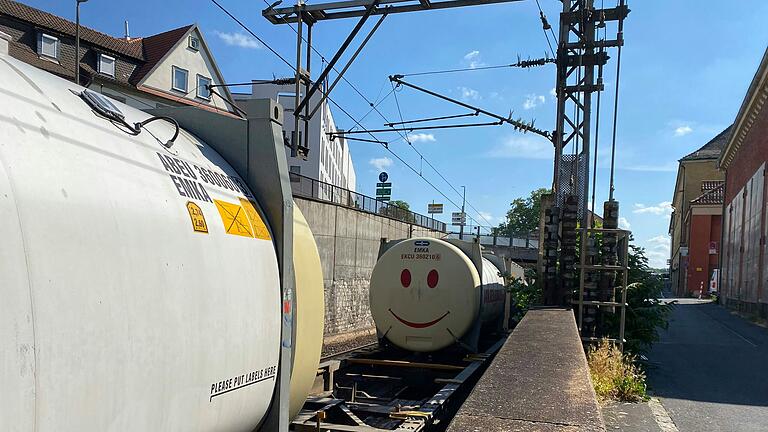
[
  {"x": 522, "y": 240},
  {"x": 307, "y": 187}
]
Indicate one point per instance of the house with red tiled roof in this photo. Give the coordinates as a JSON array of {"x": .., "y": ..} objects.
[
  {"x": 172, "y": 68},
  {"x": 696, "y": 220}
]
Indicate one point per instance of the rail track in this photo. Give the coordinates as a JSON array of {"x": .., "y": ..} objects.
[{"x": 347, "y": 351}]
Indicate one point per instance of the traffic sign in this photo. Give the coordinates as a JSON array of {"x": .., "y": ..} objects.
[
  {"x": 458, "y": 218},
  {"x": 383, "y": 185},
  {"x": 383, "y": 176},
  {"x": 383, "y": 191},
  {"x": 435, "y": 208}
]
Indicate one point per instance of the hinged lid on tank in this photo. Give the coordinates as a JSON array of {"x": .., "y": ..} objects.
[{"x": 101, "y": 105}]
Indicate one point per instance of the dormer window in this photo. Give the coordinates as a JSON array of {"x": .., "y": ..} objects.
[
  {"x": 194, "y": 42},
  {"x": 48, "y": 46},
  {"x": 106, "y": 65}
]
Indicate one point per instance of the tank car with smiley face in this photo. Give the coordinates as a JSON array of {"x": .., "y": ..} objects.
[{"x": 426, "y": 294}]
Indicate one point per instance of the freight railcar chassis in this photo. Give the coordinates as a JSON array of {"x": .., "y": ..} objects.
[{"x": 377, "y": 389}]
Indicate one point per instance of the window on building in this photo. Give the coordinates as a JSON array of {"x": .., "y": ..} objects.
[
  {"x": 106, "y": 65},
  {"x": 180, "y": 77},
  {"x": 203, "y": 91},
  {"x": 47, "y": 46},
  {"x": 194, "y": 42}
]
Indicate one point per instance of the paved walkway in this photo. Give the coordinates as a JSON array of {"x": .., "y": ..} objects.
[{"x": 709, "y": 371}]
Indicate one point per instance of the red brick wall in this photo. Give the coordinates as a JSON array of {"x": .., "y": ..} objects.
[
  {"x": 752, "y": 153},
  {"x": 714, "y": 235},
  {"x": 704, "y": 229}
]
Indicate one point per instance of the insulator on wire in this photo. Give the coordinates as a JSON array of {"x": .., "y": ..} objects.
[{"x": 544, "y": 21}]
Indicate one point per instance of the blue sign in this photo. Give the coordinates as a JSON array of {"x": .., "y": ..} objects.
[{"x": 383, "y": 177}]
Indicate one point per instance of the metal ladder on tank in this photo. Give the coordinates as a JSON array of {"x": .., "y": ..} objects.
[{"x": 621, "y": 266}]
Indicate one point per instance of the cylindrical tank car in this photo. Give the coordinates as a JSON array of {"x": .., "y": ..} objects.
[
  {"x": 139, "y": 284},
  {"x": 426, "y": 294}
]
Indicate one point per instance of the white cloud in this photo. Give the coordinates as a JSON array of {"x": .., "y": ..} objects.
[
  {"x": 381, "y": 163},
  {"x": 683, "y": 130},
  {"x": 421, "y": 137},
  {"x": 241, "y": 40},
  {"x": 553, "y": 92},
  {"x": 468, "y": 93},
  {"x": 657, "y": 259},
  {"x": 532, "y": 101},
  {"x": 624, "y": 223},
  {"x": 524, "y": 147},
  {"x": 473, "y": 59},
  {"x": 657, "y": 251},
  {"x": 663, "y": 208},
  {"x": 660, "y": 241}
]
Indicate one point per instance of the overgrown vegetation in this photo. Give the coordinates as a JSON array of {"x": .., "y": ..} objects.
[
  {"x": 615, "y": 375},
  {"x": 646, "y": 313},
  {"x": 523, "y": 294}
]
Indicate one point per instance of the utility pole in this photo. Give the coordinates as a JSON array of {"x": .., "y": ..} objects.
[
  {"x": 463, "y": 217},
  {"x": 77, "y": 41}
]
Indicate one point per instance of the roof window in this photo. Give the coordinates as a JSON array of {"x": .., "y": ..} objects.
[{"x": 47, "y": 46}]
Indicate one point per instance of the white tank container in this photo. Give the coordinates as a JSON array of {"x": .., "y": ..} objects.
[
  {"x": 426, "y": 293},
  {"x": 140, "y": 287}
]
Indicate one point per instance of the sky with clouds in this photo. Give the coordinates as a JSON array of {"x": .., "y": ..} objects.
[{"x": 686, "y": 66}]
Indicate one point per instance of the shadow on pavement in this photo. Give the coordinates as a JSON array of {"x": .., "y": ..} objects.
[{"x": 710, "y": 355}]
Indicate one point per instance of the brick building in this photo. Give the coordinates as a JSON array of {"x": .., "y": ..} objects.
[
  {"x": 167, "y": 69},
  {"x": 743, "y": 279},
  {"x": 695, "y": 223}
]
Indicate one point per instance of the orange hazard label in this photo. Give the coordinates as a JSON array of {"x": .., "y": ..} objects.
[
  {"x": 260, "y": 230},
  {"x": 197, "y": 217},
  {"x": 234, "y": 218}
]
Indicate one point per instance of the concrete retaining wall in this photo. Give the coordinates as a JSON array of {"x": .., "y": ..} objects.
[
  {"x": 538, "y": 381},
  {"x": 348, "y": 241}
]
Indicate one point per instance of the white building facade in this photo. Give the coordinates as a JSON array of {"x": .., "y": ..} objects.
[{"x": 329, "y": 160}]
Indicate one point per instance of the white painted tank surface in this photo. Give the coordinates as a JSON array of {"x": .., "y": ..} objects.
[
  {"x": 425, "y": 294},
  {"x": 139, "y": 284}
]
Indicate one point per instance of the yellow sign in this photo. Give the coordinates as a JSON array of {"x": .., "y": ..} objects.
[
  {"x": 197, "y": 217},
  {"x": 260, "y": 230},
  {"x": 234, "y": 218}
]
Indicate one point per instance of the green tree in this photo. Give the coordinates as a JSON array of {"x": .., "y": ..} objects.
[
  {"x": 400, "y": 203},
  {"x": 523, "y": 215},
  {"x": 398, "y": 209}
]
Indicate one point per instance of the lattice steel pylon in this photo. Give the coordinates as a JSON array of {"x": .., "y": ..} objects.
[{"x": 579, "y": 52}]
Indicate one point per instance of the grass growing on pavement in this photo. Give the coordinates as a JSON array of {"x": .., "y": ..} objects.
[{"x": 615, "y": 376}]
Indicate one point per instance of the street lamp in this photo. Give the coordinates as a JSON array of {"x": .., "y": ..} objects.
[{"x": 77, "y": 42}]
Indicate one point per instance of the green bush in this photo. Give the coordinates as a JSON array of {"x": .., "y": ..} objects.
[
  {"x": 615, "y": 376},
  {"x": 524, "y": 293}
]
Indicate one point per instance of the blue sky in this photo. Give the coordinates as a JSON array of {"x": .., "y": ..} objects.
[{"x": 686, "y": 67}]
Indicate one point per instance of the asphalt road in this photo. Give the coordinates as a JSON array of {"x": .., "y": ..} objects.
[{"x": 710, "y": 370}]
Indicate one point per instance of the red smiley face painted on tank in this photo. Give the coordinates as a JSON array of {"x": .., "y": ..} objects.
[{"x": 432, "y": 279}]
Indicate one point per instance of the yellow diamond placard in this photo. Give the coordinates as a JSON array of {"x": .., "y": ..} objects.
[
  {"x": 260, "y": 230},
  {"x": 235, "y": 218}
]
